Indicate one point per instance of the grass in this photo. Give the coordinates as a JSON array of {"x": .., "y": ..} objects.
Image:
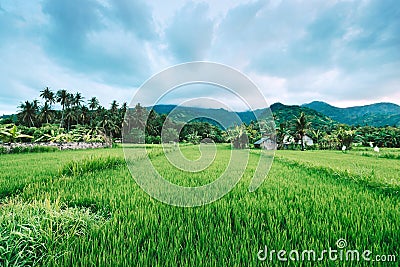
[{"x": 308, "y": 201}]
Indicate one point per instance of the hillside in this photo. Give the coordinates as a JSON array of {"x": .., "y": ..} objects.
[
  {"x": 287, "y": 113},
  {"x": 379, "y": 114},
  {"x": 281, "y": 112}
]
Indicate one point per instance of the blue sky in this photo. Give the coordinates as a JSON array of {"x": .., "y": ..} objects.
[{"x": 343, "y": 52}]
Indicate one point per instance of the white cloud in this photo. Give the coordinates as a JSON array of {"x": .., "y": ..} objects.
[{"x": 341, "y": 51}]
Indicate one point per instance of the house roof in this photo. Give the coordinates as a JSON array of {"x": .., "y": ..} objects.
[{"x": 259, "y": 142}]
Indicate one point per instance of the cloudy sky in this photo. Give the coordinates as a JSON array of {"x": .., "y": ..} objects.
[{"x": 343, "y": 52}]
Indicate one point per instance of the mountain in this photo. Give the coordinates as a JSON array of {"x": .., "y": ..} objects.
[
  {"x": 288, "y": 113},
  {"x": 379, "y": 114},
  {"x": 8, "y": 118},
  {"x": 222, "y": 116},
  {"x": 281, "y": 112}
]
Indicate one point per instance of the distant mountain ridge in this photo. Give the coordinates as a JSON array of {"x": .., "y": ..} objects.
[
  {"x": 184, "y": 114},
  {"x": 281, "y": 112},
  {"x": 378, "y": 114}
]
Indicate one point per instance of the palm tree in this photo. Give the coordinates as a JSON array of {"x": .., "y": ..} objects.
[
  {"x": 78, "y": 111},
  {"x": 109, "y": 127},
  {"x": 46, "y": 114},
  {"x": 77, "y": 99},
  {"x": 121, "y": 113},
  {"x": 48, "y": 96},
  {"x": 93, "y": 103},
  {"x": 83, "y": 115},
  {"x": 28, "y": 113},
  {"x": 70, "y": 115},
  {"x": 62, "y": 98},
  {"x": 138, "y": 117},
  {"x": 114, "y": 107},
  {"x": 301, "y": 126},
  {"x": 70, "y": 100}
]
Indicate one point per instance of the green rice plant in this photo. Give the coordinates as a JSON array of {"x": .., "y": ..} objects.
[
  {"x": 10, "y": 191},
  {"x": 308, "y": 201},
  {"x": 27, "y": 149},
  {"x": 31, "y": 232},
  {"x": 376, "y": 172},
  {"x": 387, "y": 155},
  {"x": 91, "y": 164}
]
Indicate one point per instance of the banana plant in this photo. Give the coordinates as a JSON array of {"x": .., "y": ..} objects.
[{"x": 12, "y": 134}]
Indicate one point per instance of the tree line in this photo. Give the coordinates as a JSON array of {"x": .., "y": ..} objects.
[
  {"x": 86, "y": 120},
  {"x": 336, "y": 136}
]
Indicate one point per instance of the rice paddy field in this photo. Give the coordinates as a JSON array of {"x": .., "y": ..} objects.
[{"x": 83, "y": 208}]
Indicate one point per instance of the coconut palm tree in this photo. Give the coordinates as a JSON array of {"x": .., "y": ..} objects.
[
  {"x": 28, "y": 113},
  {"x": 301, "y": 126},
  {"x": 109, "y": 127},
  {"x": 77, "y": 99},
  {"x": 83, "y": 115},
  {"x": 62, "y": 98},
  {"x": 121, "y": 114},
  {"x": 114, "y": 107},
  {"x": 93, "y": 104},
  {"x": 70, "y": 115},
  {"x": 46, "y": 114},
  {"x": 48, "y": 96},
  {"x": 136, "y": 118}
]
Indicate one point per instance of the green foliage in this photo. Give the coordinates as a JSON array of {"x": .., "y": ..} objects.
[
  {"x": 238, "y": 136},
  {"x": 10, "y": 134},
  {"x": 289, "y": 114},
  {"x": 73, "y": 115},
  {"x": 344, "y": 135},
  {"x": 196, "y": 131}
]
